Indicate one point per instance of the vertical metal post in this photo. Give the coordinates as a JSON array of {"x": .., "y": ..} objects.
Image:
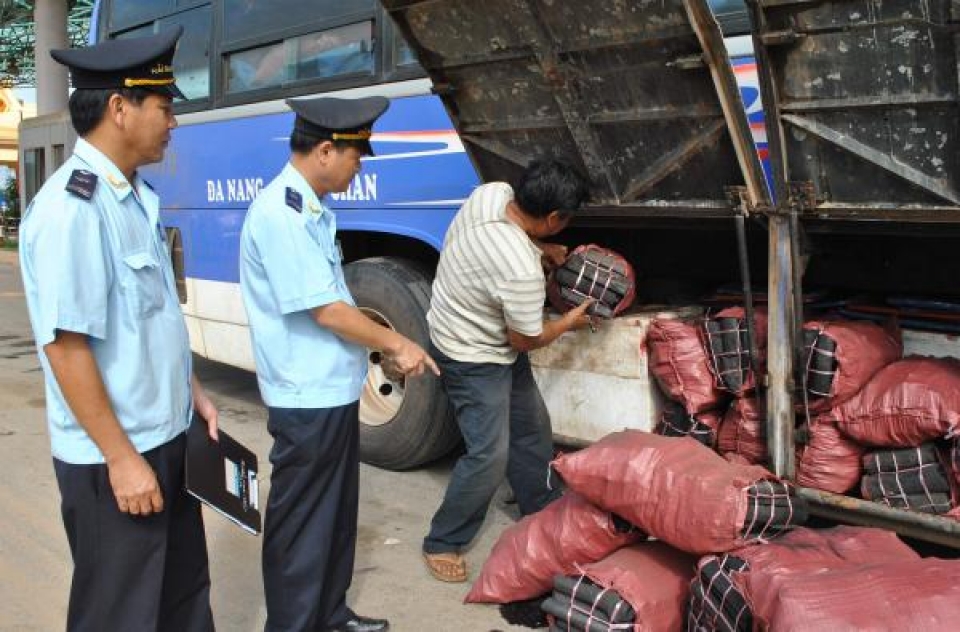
[
  {"x": 780, "y": 349},
  {"x": 747, "y": 285},
  {"x": 781, "y": 324}
]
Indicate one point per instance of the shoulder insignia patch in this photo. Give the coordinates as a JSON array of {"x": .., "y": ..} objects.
[
  {"x": 82, "y": 183},
  {"x": 294, "y": 199}
]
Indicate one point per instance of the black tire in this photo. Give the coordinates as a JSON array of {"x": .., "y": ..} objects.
[{"x": 396, "y": 293}]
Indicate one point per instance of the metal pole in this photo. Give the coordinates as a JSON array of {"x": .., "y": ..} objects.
[
  {"x": 781, "y": 325},
  {"x": 50, "y": 25},
  {"x": 747, "y": 285},
  {"x": 780, "y": 349}
]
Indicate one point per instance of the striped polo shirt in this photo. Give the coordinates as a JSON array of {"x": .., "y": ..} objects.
[{"x": 489, "y": 279}]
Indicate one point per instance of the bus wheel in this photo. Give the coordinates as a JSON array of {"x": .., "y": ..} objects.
[{"x": 403, "y": 422}]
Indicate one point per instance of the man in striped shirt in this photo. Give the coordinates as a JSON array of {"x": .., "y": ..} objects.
[{"x": 486, "y": 313}]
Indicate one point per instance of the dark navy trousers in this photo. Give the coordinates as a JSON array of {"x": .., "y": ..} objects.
[
  {"x": 133, "y": 572},
  {"x": 506, "y": 429},
  {"x": 310, "y": 532}
]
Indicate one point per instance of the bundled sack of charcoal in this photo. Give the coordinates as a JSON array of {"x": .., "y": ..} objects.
[
  {"x": 726, "y": 340},
  {"x": 714, "y": 602},
  {"x": 841, "y": 357},
  {"x": 726, "y": 596},
  {"x": 701, "y": 427},
  {"x": 642, "y": 587},
  {"x": 905, "y": 404},
  {"x": 567, "y": 532},
  {"x": 592, "y": 272},
  {"x": 826, "y": 459},
  {"x": 680, "y": 365},
  {"x": 577, "y": 604},
  {"x": 681, "y": 492},
  {"x": 911, "y": 478},
  {"x": 744, "y": 431}
]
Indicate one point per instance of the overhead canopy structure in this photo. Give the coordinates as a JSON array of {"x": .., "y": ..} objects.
[{"x": 17, "y": 38}]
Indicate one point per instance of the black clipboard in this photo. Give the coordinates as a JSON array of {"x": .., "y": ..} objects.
[{"x": 223, "y": 475}]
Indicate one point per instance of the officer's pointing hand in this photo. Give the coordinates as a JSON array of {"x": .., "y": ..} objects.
[
  {"x": 411, "y": 360},
  {"x": 135, "y": 485}
]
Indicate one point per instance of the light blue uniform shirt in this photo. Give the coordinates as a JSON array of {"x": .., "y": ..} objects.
[
  {"x": 289, "y": 264},
  {"x": 100, "y": 267}
]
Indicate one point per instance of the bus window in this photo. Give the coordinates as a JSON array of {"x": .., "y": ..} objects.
[
  {"x": 243, "y": 19},
  {"x": 256, "y": 68},
  {"x": 191, "y": 64},
  {"x": 335, "y": 52},
  {"x": 320, "y": 55},
  {"x": 403, "y": 54},
  {"x": 126, "y": 13}
]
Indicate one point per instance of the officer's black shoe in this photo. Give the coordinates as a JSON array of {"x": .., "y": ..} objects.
[{"x": 363, "y": 624}]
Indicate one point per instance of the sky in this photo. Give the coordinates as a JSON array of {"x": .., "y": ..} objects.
[{"x": 27, "y": 95}]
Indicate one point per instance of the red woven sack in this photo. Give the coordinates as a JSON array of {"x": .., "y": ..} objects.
[
  {"x": 829, "y": 460},
  {"x": 674, "y": 489},
  {"x": 907, "y": 403},
  {"x": 593, "y": 272},
  {"x": 565, "y": 533},
  {"x": 808, "y": 551},
  {"x": 743, "y": 431},
  {"x": 862, "y": 349},
  {"x": 653, "y": 578},
  {"x": 679, "y": 363},
  {"x": 920, "y": 594}
]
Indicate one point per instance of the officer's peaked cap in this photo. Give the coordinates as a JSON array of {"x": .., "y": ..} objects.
[
  {"x": 330, "y": 118},
  {"x": 134, "y": 62}
]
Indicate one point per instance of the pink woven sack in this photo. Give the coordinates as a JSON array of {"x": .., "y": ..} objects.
[
  {"x": 862, "y": 349},
  {"x": 919, "y": 594},
  {"x": 744, "y": 431},
  {"x": 829, "y": 460},
  {"x": 674, "y": 489},
  {"x": 679, "y": 363},
  {"x": 565, "y": 533},
  {"x": 907, "y": 403}
]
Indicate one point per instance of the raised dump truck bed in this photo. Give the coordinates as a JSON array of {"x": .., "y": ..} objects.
[{"x": 621, "y": 88}]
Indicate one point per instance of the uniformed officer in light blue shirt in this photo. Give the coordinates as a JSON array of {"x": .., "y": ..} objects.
[
  {"x": 114, "y": 350},
  {"x": 310, "y": 345}
]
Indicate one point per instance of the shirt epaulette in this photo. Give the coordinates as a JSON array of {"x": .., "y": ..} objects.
[
  {"x": 82, "y": 183},
  {"x": 294, "y": 199}
]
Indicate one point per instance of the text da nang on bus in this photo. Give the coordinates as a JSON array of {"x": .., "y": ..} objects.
[{"x": 362, "y": 188}]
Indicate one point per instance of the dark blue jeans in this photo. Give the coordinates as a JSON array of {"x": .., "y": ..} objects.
[{"x": 506, "y": 429}]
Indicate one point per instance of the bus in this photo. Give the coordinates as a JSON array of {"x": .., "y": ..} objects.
[{"x": 237, "y": 63}]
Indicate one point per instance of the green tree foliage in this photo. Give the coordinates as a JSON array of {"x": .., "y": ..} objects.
[{"x": 12, "y": 194}]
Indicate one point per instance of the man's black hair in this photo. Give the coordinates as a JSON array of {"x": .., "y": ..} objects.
[
  {"x": 551, "y": 184},
  {"x": 87, "y": 106},
  {"x": 301, "y": 143}
]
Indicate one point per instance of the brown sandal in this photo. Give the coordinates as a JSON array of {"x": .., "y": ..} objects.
[{"x": 446, "y": 567}]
